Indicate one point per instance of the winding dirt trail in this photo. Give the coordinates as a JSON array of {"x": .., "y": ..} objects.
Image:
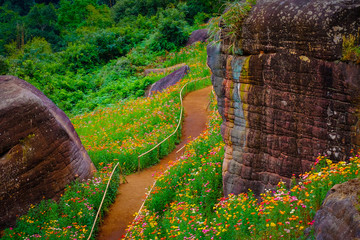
[{"x": 132, "y": 194}]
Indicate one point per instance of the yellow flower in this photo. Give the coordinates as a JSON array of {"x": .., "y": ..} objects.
[{"x": 273, "y": 224}]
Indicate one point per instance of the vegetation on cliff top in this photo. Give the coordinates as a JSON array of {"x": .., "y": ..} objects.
[
  {"x": 351, "y": 49},
  {"x": 228, "y": 27}
]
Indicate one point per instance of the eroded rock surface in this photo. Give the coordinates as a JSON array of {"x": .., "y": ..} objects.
[
  {"x": 338, "y": 217},
  {"x": 169, "y": 80},
  {"x": 200, "y": 35},
  {"x": 288, "y": 98},
  {"x": 40, "y": 152}
]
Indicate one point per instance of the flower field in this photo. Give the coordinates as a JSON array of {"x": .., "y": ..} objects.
[
  {"x": 116, "y": 134},
  {"x": 187, "y": 201},
  {"x": 72, "y": 216}
]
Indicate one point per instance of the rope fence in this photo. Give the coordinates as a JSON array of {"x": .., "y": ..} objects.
[
  {"x": 139, "y": 164},
  {"x": 102, "y": 201}
]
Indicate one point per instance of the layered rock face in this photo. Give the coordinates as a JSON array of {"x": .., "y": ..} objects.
[
  {"x": 288, "y": 98},
  {"x": 40, "y": 152}
]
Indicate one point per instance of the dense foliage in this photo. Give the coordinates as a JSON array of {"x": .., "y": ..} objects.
[{"x": 75, "y": 51}]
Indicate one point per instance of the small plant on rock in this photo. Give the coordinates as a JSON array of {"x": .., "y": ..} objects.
[
  {"x": 351, "y": 48},
  {"x": 229, "y": 24}
]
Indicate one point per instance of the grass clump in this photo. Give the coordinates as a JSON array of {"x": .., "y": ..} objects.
[
  {"x": 229, "y": 24},
  {"x": 351, "y": 49}
]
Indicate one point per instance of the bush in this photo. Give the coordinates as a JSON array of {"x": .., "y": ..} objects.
[
  {"x": 351, "y": 49},
  {"x": 41, "y": 22},
  {"x": 9, "y": 20},
  {"x": 78, "y": 56},
  {"x": 231, "y": 20},
  {"x": 170, "y": 32},
  {"x": 37, "y": 48},
  {"x": 98, "y": 16},
  {"x": 76, "y": 13},
  {"x": 125, "y": 8},
  {"x": 4, "y": 66},
  {"x": 108, "y": 43},
  {"x": 202, "y": 7}
]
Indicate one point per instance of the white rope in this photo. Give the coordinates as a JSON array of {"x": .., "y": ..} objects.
[
  {"x": 102, "y": 201},
  {"x": 181, "y": 148}
]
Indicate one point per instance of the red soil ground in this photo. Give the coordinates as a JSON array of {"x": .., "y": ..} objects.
[{"x": 132, "y": 194}]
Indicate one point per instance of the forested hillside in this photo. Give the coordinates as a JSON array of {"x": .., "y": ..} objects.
[{"x": 88, "y": 53}]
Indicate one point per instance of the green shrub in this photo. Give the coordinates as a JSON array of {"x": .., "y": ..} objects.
[
  {"x": 80, "y": 56},
  {"x": 170, "y": 33},
  {"x": 42, "y": 22},
  {"x": 351, "y": 49},
  {"x": 109, "y": 44},
  {"x": 37, "y": 48},
  {"x": 231, "y": 24},
  {"x": 201, "y": 9},
  {"x": 125, "y": 8},
  {"x": 77, "y": 13},
  {"x": 4, "y": 66},
  {"x": 99, "y": 16}
]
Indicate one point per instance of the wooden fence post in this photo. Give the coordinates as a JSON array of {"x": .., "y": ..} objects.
[{"x": 139, "y": 164}]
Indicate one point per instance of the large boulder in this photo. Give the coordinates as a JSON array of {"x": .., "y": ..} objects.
[
  {"x": 40, "y": 152},
  {"x": 169, "y": 80},
  {"x": 288, "y": 98},
  {"x": 338, "y": 217},
  {"x": 200, "y": 35}
]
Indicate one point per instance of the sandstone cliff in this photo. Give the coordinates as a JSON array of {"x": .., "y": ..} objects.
[
  {"x": 288, "y": 98},
  {"x": 40, "y": 152}
]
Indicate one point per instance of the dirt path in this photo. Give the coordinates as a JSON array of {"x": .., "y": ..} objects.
[{"x": 132, "y": 194}]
